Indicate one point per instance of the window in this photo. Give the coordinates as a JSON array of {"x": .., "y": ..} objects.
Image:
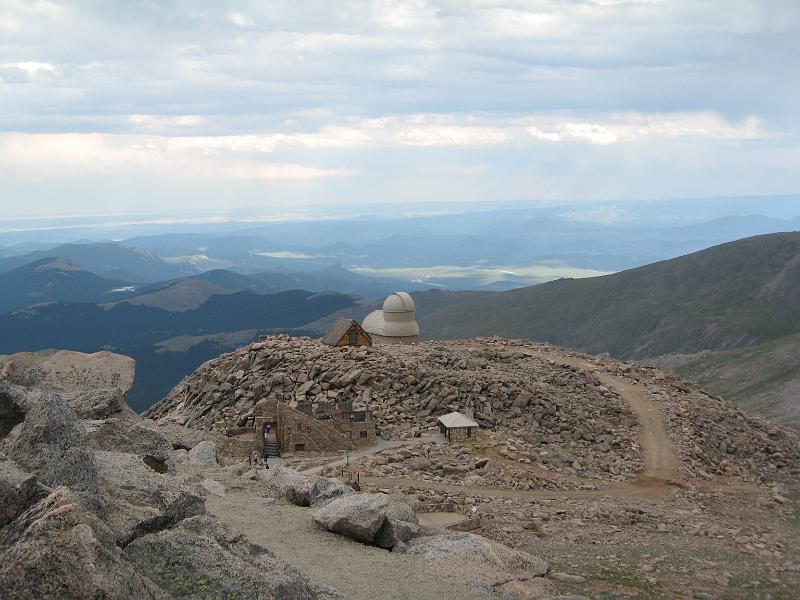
[
  {"x": 363, "y": 434},
  {"x": 352, "y": 338}
]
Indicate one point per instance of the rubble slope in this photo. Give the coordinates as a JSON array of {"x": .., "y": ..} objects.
[{"x": 558, "y": 414}]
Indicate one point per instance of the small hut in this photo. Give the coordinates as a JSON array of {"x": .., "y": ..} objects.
[
  {"x": 457, "y": 427},
  {"x": 346, "y": 332}
]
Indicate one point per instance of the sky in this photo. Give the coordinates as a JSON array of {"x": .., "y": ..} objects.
[{"x": 120, "y": 107}]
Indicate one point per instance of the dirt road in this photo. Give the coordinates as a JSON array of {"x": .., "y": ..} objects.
[{"x": 661, "y": 461}]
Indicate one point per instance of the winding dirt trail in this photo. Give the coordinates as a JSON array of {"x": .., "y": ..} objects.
[{"x": 660, "y": 460}]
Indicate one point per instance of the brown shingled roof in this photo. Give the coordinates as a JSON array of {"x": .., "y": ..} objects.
[{"x": 337, "y": 329}]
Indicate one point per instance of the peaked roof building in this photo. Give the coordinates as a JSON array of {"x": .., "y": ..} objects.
[{"x": 346, "y": 332}]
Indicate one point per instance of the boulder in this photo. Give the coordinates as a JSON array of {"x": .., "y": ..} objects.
[
  {"x": 15, "y": 402},
  {"x": 99, "y": 404},
  {"x": 467, "y": 548},
  {"x": 140, "y": 500},
  {"x": 203, "y": 454},
  {"x": 57, "y": 549},
  {"x": 130, "y": 437},
  {"x": 299, "y": 489},
  {"x": 18, "y": 490},
  {"x": 378, "y": 519},
  {"x": 197, "y": 558},
  {"x": 213, "y": 487},
  {"x": 394, "y": 532},
  {"x": 181, "y": 438},
  {"x": 52, "y": 443}
]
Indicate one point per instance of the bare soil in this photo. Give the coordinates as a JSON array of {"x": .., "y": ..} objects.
[{"x": 356, "y": 570}]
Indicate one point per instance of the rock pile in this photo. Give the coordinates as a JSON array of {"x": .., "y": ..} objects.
[
  {"x": 506, "y": 464},
  {"x": 554, "y": 415},
  {"x": 548, "y": 406}
]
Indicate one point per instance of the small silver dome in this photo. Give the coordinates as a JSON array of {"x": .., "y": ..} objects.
[{"x": 399, "y": 302}]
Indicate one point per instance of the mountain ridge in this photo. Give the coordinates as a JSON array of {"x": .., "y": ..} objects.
[{"x": 735, "y": 294}]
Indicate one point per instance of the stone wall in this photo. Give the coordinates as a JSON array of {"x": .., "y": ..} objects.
[
  {"x": 360, "y": 432},
  {"x": 462, "y": 434},
  {"x": 296, "y": 431}
]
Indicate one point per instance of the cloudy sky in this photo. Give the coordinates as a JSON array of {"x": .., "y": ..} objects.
[{"x": 114, "y": 106}]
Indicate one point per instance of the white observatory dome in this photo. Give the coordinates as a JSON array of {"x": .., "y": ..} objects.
[
  {"x": 396, "y": 323},
  {"x": 399, "y": 302}
]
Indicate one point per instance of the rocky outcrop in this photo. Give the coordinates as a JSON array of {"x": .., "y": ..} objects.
[
  {"x": 57, "y": 549},
  {"x": 53, "y": 443},
  {"x": 18, "y": 490},
  {"x": 110, "y": 485},
  {"x": 203, "y": 558},
  {"x": 299, "y": 489},
  {"x": 67, "y": 372},
  {"x": 94, "y": 385},
  {"x": 128, "y": 436},
  {"x": 139, "y": 500},
  {"x": 378, "y": 519}
]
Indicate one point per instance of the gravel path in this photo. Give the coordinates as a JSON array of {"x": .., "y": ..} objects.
[{"x": 360, "y": 572}]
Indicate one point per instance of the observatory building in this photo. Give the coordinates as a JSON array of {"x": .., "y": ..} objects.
[{"x": 396, "y": 323}]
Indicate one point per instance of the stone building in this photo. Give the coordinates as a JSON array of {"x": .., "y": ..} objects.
[
  {"x": 322, "y": 427},
  {"x": 346, "y": 332},
  {"x": 396, "y": 323},
  {"x": 457, "y": 427}
]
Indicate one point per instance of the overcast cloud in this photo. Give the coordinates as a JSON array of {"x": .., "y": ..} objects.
[{"x": 126, "y": 106}]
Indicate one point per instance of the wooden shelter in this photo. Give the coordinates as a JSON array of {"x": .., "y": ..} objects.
[
  {"x": 346, "y": 332},
  {"x": 457, "y": 427}
]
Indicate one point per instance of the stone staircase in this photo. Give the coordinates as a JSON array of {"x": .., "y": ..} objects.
[{"x": 273, "y": 448}]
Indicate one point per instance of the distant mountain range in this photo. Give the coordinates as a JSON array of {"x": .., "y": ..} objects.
[
  {"x": 739, "y": 295},
  {"x": 57, "y": 280},
  {"x": 62, "y": 280},
  {"x": 107, "y": 259},
  {"x": 169, "y": 326},
  {"x": 475, "y": 249}
]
